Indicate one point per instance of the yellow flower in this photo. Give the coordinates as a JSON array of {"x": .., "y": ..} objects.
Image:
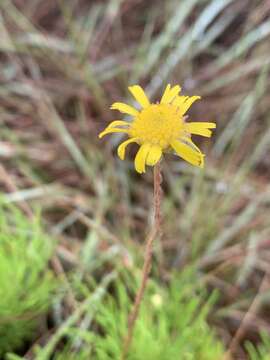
[{"x": 159, "y": 128}]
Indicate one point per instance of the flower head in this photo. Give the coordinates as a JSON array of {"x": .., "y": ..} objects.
[{"x": 159, "y": 128}]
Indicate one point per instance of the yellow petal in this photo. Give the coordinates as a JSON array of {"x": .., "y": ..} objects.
[
  {"x": 122, "y": 147},
  {"x": 170, "y": 94},
  {"x": 200, "y": 128},
  {"x": 166, "y": 92},
  {"x": 154, "y": 155},
  {"x": 188, "y": 154},
  {"x": 124, "y": 108},
  {"x": 187, "y": 104},
  {"x": 191, "y": 143},
  {"x": 140, "y": 158},
  {"x": 118, "y": 123},
  {"x": 179, "y": 101},
  {"x": 139, "y": 95},
  {"x": 109, "y": 130}
]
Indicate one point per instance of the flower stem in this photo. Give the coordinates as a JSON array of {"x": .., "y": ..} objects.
[{"x": 147, "y": 260}]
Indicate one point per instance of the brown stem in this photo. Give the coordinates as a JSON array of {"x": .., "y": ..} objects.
[{"x": 147, "y": 260}]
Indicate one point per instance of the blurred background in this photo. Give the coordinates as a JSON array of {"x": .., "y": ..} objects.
[{"x": 74, "y": 218}]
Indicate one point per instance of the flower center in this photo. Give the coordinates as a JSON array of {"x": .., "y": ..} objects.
[{"x": 158, "y": 124}]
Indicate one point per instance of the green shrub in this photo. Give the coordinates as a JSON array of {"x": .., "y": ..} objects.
[
  {"x": 25, "y": 283},
  {"x": 172, "y": 324}
]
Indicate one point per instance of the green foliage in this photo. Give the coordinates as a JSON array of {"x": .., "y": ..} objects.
[
  {"x": 260, "y": 352},
  {"x": 172, "y": 324},
  {"x": 25, "y": 283}
]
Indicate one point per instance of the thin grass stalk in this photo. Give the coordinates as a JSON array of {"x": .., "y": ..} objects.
[{"x": 251, "y": 312}]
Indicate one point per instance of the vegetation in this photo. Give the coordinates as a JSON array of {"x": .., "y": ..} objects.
[
  {"x": 262, "y": 351},
  {"x": 164, "y": 315},
  {"x": 26, "y": 283},
  {"x": 68, "y": 274}
]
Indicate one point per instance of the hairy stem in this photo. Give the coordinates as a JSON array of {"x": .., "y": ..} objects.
[{"x": 147, "y": 260}]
